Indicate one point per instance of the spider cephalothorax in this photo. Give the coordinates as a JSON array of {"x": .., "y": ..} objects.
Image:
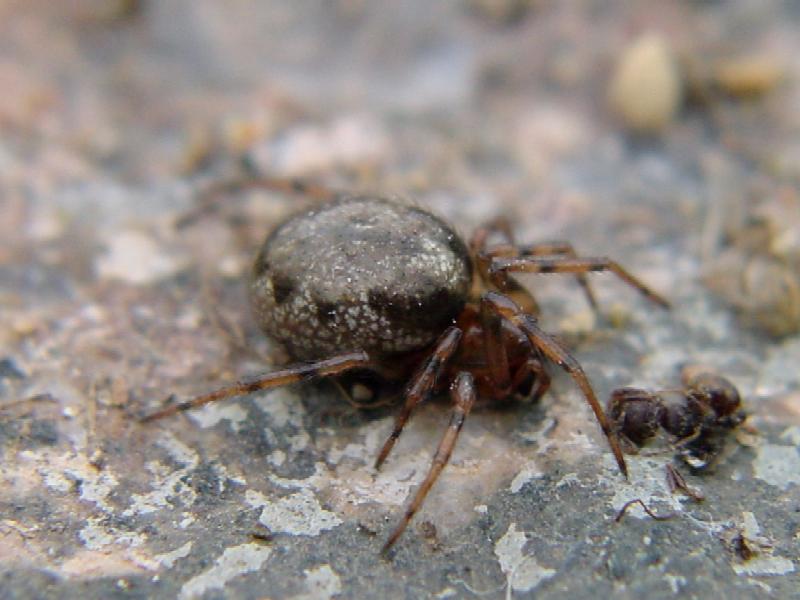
[{"x": 369, "y": 283}]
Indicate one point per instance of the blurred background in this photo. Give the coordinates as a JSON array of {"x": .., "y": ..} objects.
[
  {"x": 665, "y": 134},
  {"x": 557, "y": 113}
]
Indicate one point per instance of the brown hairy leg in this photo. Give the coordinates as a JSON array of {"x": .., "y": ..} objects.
[
  {"x": 485, "y": 254},
  {"x": 209, "y": 199},
  {"x": 292, "y": 374},
  {"x": 561, "y": 248},
  {"x": 421, "y": 385},
  {"x": 479, "y": 248},
  {"x": 496, "y": 355},
  {"x": 463, "y": 395},
  {"x": 569, "y": 264},
  {"x": 555, "y": 352},
  {"x": 532, "y": 368}
]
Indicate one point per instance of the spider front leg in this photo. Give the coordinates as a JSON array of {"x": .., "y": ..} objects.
[
  {"x": 570, "y": 264},
  {"x": 500, "y": 226},
  {"x": 479, "y": 248},
  {"x": 292, "y": 374},
  {"x": 421, "y": 385},
  {"x": 510, "y": 249},
  {"x": 463, "y": 395},
  {"x": 561, "y": 248},
  {"x": 506, "y": 308},
  {"x": 504, "y": 381}
]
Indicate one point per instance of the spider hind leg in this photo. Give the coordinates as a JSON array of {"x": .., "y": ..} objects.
[{"x": 289, "y": 375}]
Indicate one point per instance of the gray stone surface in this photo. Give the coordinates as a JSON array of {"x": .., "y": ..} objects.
[{"x": 112, "y": 121}]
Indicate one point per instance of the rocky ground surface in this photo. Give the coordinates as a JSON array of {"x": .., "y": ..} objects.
[{"x": 116, "y": 114}]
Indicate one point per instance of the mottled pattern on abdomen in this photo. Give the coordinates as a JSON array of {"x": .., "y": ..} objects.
[{"x": 359, "y": 274}]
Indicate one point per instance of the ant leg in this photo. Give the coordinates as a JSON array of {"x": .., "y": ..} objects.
[
  {"x": 569, "y": 264},
  {"x": 292, "y": 374},
  {"x": 463, "y": 395},
  {"x": 649, "y": 512},
  {"x": 421, "y": 385},
  {"x": 555, "y": 352},
  {"x": 676, "y": 482},
  {"x": 208, "y": 199}
]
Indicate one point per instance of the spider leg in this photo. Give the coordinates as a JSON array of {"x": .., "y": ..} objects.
[
  {"x": 208, "y": 200},
  {"x": 676, "y": 482},
  {"x": 513, "y": 289},
  {"x": 555, "y": 352},
  {"x": 504, "y": 381},
  {"x": 561, "y": 248},
  {"x": 292, "y": 374},
  {"x": 496, "y": 355},
  {"x": 483, "y": 257},
  {"x": 500, "y": 225},
  {"x": 463, "y": 395},
  {"x": 570, "y": 264},
  {"x": 554, "y": 249},
  {"x": 532, "y": 368},
  {"x": 421, "y": 385}
]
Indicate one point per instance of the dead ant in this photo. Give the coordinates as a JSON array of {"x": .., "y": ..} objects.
[
  {"x": 697, "y": 417},
  {"x": 366, "y": 283}
]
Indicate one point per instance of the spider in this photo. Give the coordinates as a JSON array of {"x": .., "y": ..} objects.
[
  {"x": 363, "y": 283},
  {"x": 696, "y": 417}
]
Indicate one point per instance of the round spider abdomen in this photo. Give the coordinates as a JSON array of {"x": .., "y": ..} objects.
[{"x": 360, "y": 273}]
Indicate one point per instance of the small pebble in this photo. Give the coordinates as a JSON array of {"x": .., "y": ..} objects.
[{"x": 748, "y": 77}]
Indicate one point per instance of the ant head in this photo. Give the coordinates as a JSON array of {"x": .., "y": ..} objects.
[{"x": 719, "y": 393}]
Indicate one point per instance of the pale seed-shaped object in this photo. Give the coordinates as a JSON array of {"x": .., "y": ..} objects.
[{"x": 646, "y": 88}]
